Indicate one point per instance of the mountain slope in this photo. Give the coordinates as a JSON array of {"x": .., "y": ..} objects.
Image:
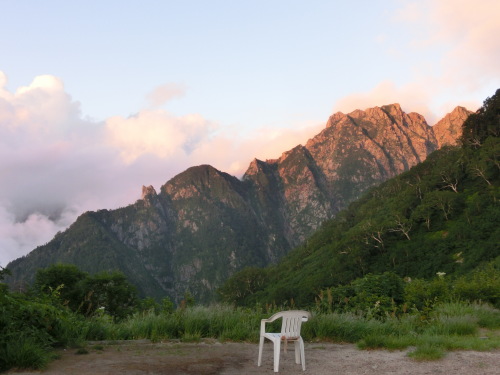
[
  {"x": 442, "y": 216},
  {"x": 204, "y": 224}
]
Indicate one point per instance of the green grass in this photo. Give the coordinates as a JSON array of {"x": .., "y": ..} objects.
[
  {"x": 218, "y": 321},
  {"x": 487, "y": 316},
  {"x": 25, "y": 353},
  {"x": 451, "y": 326},
  {"x": 427, "y": 352},
  {"x": 390, "y": 342}
]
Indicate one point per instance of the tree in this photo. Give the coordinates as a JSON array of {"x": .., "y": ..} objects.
[
  {"x": 443, "y": 200},
  {"x": 3, "y": 273},
  {"x": 110, "y": 292},
  {"x": 242, "y": 285},
  {"x": 482, "y": 124},
  {"x": 66, "y": 278},
  {"x": 402, "y": 225},
  {"x": 424, "y": 212}
]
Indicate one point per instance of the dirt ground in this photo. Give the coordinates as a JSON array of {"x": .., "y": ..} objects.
[{"x": 212, "y": 357}]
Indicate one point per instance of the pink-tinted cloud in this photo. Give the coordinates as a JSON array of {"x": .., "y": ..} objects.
[
  {"x": 467, "y": 34},
  {"x": 162, "y": 94},
  {"x": 411, "y": 97},
  {"x": 459, "y": 48},
  {"x": 233, "y": 154},
  {"x": 156, "y": 132}
]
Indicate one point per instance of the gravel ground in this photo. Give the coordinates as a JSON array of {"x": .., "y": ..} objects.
[{"x": 211, "y": 357}]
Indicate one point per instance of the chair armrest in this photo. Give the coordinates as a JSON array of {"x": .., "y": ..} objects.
[{"x": 263, "y": 325}]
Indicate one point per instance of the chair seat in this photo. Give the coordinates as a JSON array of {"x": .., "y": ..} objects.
[{"x": 279, "y": 336}]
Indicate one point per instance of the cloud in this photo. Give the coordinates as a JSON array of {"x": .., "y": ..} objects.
[
  {"x": 466, "y": 32},
  {"x": 156, "y": 132},
  {"x": 473, "y": 28},
  {"x": 161, "y": 94},
  {"x": 41, "y": 107},
  {"x": 53, "y": 165},
  {"x": 230, "y": 153},
  {"x": 458, "y": 52},
  {"x": 18, "y": 238},
  {"x": 412, "y": 98}
]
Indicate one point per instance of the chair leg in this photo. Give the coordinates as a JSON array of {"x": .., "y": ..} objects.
[
  {"x": 297, "y": 352},
  {"x": 277, "y": 355},
  {"x": 261, "y": 346},
  {"x": 302, "y": 354}
]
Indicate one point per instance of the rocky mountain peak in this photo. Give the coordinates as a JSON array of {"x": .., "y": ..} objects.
[
  {"x": 335, "y": 118},
  {"x": 393, "y": 109},
  {"x": 449, "y": 129},
  {"x": 148, "y": 191},
  {"x": 255, "y": 167}
]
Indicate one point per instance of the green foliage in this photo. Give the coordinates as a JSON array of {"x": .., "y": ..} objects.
[
  {"x": 67, "y": 278},
  {"x": 110, "y": 293},
  {"x": 431, "y": 350},
  {"x": 3, "y": 287},
  {"x": 241, "y": 289},
  {"x": 167, "y": 306},
  {"x": 375, "y": 295},
  {"x": 30, "y": 327},
  {"x": 4, "y": 272},
  {"x": 484, "y": 123},
  {"x": 149, "y": 304},
  {"x": 420, "y": 293},
  {"x": 482, "y": 284},
  {"x": 189, "y": 324}
]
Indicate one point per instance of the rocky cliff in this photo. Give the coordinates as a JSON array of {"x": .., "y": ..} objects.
[
  {"x": 203, "y": 224},
  {"x": 449, "y": 129}
]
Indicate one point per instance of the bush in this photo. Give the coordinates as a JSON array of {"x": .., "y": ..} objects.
[
  {"x": 482, "y": 284},
  {"x": 421, "y": 293},
  {"x": 29, "y": 328}
]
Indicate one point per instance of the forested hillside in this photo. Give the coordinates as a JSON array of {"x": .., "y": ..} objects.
[{"x": 441, "y": 217}]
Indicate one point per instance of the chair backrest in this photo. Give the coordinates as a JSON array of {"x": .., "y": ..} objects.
[{"x": 292, "y": 321}]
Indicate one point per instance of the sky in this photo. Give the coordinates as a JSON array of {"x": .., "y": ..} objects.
[{"x": 98, "y": 98}]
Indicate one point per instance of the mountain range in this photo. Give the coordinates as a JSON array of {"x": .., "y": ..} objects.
[{"x": 204, "y": 225}]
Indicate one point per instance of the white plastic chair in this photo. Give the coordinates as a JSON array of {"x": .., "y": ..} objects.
[{"x": 290, "y": 331}]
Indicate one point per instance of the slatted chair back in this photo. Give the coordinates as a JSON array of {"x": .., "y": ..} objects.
[{"x": 290, "y": 327}]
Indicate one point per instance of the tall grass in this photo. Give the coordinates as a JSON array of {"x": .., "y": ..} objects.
[
  {"x": 486, "y": 315},
  {"x": 218, "y": 321},
  {"x": 25, "y": 352}
]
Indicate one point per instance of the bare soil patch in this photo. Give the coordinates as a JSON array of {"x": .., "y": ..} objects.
[{"x": 211, "y": 357}]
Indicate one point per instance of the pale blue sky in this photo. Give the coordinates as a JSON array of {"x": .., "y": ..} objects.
[
  {"x": 247, "y": 63},
  {"x": 98, "y": 98}
]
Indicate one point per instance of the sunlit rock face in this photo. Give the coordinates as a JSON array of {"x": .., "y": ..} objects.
[
  {"x": 363, "y": 148},
  {"x": 449, "y": 129},
  {"x": 204, "y": 225}
]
